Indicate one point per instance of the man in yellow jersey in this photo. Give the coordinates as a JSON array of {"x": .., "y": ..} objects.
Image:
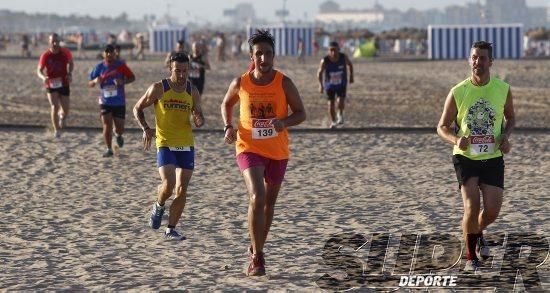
[
  {"x": 483, "y": 110},
  {"x": 175, "y": 99},
  {"x": 262, "y": 137}
]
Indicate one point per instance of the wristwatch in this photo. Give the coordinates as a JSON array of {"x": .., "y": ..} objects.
[{"x": 225, "y": 128}]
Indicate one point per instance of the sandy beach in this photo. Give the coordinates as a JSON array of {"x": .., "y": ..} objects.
[{"x": 73, "y": 220}]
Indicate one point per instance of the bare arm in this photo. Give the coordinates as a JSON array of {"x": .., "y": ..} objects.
[
  {"x": 167, "y": 60},
  {"x": 130, "y": 79},
  {"x": 444, "y": 126},
  {"x": 320, "y": 74},
  {"x": 198, "y": 117},
  {"x": 510, "y": 119},
  {"x": 229, "y": 101},
  {"x": 70, "y": 70},
  {"x": 151, "y": 96},
  {"x": 40, "y": 73},
  {"x": 295, "y": 103},
  {"x": 348, "y": 62},
  {"x": 206, "y": 62}
]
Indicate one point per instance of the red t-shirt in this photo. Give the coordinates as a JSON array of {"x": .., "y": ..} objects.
[{"x": 56, "y": 66}]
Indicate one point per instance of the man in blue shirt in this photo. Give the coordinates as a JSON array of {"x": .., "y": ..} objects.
[
  {"x": 335, "y": 81},
  {"x": 111, "y": 75}
]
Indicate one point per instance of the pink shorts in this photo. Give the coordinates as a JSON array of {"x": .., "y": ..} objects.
[{"x": 274, "y": 169}]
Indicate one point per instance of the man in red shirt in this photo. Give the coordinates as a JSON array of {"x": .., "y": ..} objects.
[{"x": 58, "y": 63}]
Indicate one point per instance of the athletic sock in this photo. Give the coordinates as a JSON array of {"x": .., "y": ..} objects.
[{"x": 471, "y": 241}]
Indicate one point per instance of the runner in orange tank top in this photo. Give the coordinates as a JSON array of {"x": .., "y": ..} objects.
[{"x": 265, "y": 95}]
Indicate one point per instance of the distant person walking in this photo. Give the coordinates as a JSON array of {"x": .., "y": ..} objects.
[
  {"x": 301, "y": 51},
  {"x": 25, "y": 51},
  {"x": 111, "y": 75},
  {"x": 333, "y": 79},
  {"x": 199, "y": 65},
  {"x": 180, "y": 48},
  {"x": 221, "y": 43},
  {"x": 80, "y": 46},
  {"x": 58, "y": 63},
  {"x": 140, "y": 47}
]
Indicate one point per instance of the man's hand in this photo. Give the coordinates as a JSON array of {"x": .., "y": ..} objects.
[
  {"x": 198, "y": 118},
  {"x": 321, "y": 89},
  {"x": 504, "y": 144},
  {"x": 230, "y": 135},
  {"x": 463, "y": 142},
  {"x": 277, "y": 124},
  {"x": 148, "y": 135}
]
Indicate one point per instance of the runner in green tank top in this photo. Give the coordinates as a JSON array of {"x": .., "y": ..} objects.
[{"x": 483, "y": 112}]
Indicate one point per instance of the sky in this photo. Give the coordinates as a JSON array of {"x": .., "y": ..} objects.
[{"x": 212, "y": 10}]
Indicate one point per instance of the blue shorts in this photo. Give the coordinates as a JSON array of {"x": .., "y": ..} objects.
[{"x": 180, "y": 159}]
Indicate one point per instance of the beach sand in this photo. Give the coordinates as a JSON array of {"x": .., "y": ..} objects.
[{"x": 73, "y": 220}]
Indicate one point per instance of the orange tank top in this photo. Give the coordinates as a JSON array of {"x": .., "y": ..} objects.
[{"x": 259, "y": 104}]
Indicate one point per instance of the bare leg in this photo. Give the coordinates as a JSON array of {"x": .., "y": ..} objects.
[
  {"x": 168, "y": 177},
  {"x": 65, "y": 102},
  {"x": 271, "y": 192},
  {"x": 53, "y": 98},
  {"x": 331, "y": 111},
  {"x": 471, "y": 200},
  {"x": 492, "y": 202},
  {"x": 254, "y": 180},
  {"x": 119, "y": 126},
  {"x": 183, "y": 176},
  {"x": 107, "y": 120}
]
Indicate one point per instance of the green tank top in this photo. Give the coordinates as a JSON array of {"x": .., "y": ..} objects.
[{"x": 480, "y": 117}]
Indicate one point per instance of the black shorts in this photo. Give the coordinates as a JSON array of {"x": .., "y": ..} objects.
[
  {"x": 63, "y": 91},
  {"x": 332, "y": 94},
  {"x": 490, "y": 172},
  {"x": 118, "y": 111}
]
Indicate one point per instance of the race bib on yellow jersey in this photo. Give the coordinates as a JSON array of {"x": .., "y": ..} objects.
[
  {"x": 482, "y": 144},
  {"x": 180, "y": 149},
  {"x": 56, "y": 83},
  {"x": 261, "y": 129},
  {"x": 110, "y": 91}
]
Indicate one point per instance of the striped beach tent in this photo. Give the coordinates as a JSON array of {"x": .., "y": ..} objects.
[
  {"x": 455, "y": 41},
  {"x": 163, "y": 38},
  {"x": 286, "y": 38}
]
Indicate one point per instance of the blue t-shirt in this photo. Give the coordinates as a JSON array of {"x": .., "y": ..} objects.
[
  {"x": 109, "y": 93},
  {"x": 336, "y": 74}
]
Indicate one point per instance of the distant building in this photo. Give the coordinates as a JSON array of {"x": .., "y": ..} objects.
[
  {"x": 243, "y": 13},
  {"x": 331, "y": 15}
]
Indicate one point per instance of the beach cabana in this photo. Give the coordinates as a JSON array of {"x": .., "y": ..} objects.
[
  {"x": 286, "y": 38},
  {"x": 163, "y": 38},
  {"x": 454, "y": 41}
]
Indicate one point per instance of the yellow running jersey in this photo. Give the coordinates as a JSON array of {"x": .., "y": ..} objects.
[{"x": 172, "y": 117}]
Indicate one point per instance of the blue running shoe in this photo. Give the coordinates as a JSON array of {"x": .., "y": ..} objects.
[
  {"x": 172, "y": 234},
  {"x": 156, "y": 216},
  {"x": 119, "y": 141}
]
